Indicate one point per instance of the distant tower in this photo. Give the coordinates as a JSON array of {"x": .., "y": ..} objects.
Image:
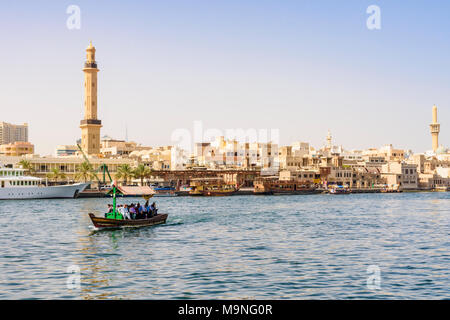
[
  {"x": 329, "y": 140},
  {"x": 90, "y": 125},
  {"x": 434, "y": 129}
]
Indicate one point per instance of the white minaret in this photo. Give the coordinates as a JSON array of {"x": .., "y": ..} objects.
[{"x": 434, "y": 129}]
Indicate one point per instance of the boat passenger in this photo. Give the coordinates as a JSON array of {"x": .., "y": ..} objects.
[
  {"x": 153, "y": 209},
  {"x": 139, "y": 211},
  {"x": 124, "y": 211},
  {"x": 147, "y": 210},
  {"x": 132, "y": 211}
]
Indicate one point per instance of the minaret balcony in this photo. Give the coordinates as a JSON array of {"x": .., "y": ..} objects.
[
  {"x": 90, "y": 121},
  {"x": 435, "y": 127},
  {"x": 90, "y": 64}
]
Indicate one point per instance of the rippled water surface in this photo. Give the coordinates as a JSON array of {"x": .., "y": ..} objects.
[{"x": 244, "y": 247}]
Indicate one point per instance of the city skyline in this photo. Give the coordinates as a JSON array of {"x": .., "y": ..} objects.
[{"x": 369, "y": 87}]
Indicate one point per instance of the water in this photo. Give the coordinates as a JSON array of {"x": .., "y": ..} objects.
[{"x": 242, "y": 247}]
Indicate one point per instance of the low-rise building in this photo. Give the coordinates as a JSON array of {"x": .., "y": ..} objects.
[
  {"x": 16, "y": 149},
  {"x": 401, "y": 174}
]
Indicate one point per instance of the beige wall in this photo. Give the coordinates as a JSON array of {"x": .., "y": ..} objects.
[{"x": 16, "y": 149}]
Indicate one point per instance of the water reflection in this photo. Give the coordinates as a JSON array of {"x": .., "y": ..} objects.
[{"x": 236, "y": 247}]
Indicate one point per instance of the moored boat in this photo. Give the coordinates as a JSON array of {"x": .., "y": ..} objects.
[
  {"x": 15, "y": 185},
  {"x": 339, "y": 190},
  {"x": 217, "y": 188},
  {"x": 164, "y": 192},
  {"x": 281, "y": 187}
]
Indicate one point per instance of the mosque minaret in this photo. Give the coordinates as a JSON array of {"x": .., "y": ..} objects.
[
  {"x": 434, "y": 129},
  {"x": 90, "y": 125}
]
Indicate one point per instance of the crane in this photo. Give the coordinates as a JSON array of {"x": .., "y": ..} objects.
[{"x": 102, "y": 167}]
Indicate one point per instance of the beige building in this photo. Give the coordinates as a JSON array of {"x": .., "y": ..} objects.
[
  {"x": 17, "y": 148},
  {"x": 158, "y": 158},
  {"x": 90, "y": 125},
  {"x": 113, "y": 148},
  {"x": 10, "y": 133},
  {"x": 303, "y": 176},
  {"x": 401, "y": 174}
]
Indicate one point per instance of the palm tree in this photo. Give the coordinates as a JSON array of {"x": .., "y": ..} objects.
[
  {"x": 124, "y": 171},
  {"x": 142, "y": 172},
  {"x": 25, "y": 164},
  {"x": 84, "y": 172},
  {"x": 55, "y": 174}
]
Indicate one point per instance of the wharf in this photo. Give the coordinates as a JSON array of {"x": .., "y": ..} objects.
[
  {"x": 369, "y": 190},
  {"x": 92, "y": 194}
]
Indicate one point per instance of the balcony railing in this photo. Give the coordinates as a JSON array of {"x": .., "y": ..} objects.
[
  {"x": 91, "y": 121},
  {"x": 90, "y": 64}
]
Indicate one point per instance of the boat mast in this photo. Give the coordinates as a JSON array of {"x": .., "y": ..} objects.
[{"x": 114, "y": 201}]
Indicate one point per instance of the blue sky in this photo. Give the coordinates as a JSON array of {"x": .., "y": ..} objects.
[{"x": 300, "y": 66}]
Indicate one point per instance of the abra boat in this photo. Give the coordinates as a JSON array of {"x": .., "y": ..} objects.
[
  {"x": 115, "y": 219},
  {"x": 287, "y": 187},
  {"x": 102, "y": 223},
  {"x": 213, "y": 189},
  {"x": 339, "y": 190},
  {"x": 164, "y": 192},
  {"x": 15, "y": 185}
]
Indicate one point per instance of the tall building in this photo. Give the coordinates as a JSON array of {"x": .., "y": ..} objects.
[
  {"x": 10, "y": 133},
  {"x": 90, "y": 125},
  {"x": 434, "y": 129}
]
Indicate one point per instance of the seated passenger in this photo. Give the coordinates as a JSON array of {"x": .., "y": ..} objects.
[
  {"x": 153, "y": 209},
  {"x": 132, "y": 211},
  {"x": 139, "y": 211},
  {"x": 124, "y": 211}
]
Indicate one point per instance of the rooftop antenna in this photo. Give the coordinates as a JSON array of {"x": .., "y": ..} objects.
[{"x": 126, "y": 133}]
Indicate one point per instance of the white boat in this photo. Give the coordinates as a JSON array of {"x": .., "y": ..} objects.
[{"x": 14, "y": 184}]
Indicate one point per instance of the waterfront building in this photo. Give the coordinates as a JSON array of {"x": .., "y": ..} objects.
[
  {"x": 429, "y": 181},
  {"x": 90, "y": 125},
  {"x": 434, "y": 130},
  {"x": 10, "y": 133},
  {"x": 17, "y": 148},
  {"x": 302, "y": 175},
  {"x": 400, "y": 174}
]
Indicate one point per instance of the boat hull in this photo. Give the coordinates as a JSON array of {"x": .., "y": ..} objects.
[
  {"x": 296, "y": 192},
  {"x": 103, "y": 223},
  {"x": 52, "y": 192}
]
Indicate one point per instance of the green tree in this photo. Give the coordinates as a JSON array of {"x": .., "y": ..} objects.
[
  {"x": 26, "y": 165},
  {"x": 141, "y": 172},
  {"x": 124, "y": 171},
  {"x": 56, "y": 174},
  {"x": 84, "y": 172}
]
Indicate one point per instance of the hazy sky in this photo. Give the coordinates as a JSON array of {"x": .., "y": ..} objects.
[{"x": 300, "y": 66}]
